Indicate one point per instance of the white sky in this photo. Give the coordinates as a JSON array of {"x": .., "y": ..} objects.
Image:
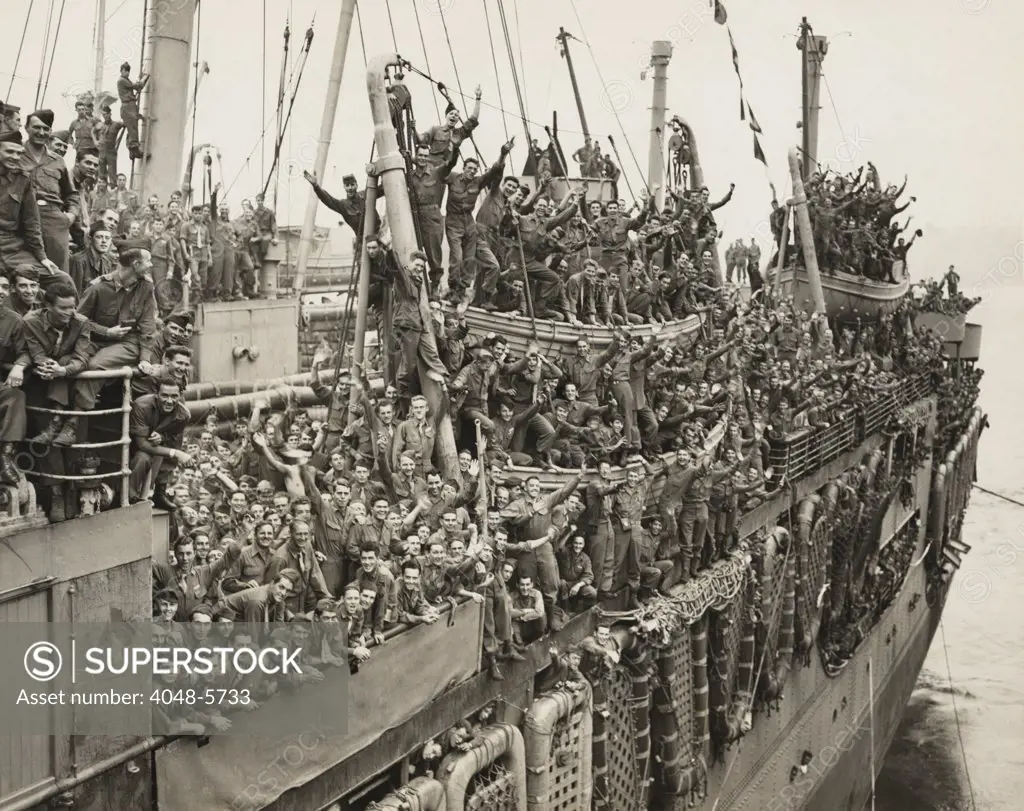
[{"x": 930, "y": 88}]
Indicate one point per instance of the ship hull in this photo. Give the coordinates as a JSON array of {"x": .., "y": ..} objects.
[{"x": 847, "y": 787}]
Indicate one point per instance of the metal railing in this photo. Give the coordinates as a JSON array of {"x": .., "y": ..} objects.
[
  {"x": 802, "y": 452},
  {"x": 124, "y": 442}
]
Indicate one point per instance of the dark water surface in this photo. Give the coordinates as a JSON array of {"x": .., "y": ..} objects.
[{"x": 925, "y": 768}]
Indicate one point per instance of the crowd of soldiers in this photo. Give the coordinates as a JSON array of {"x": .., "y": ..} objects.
[
  {"x": 74, "y": 222},
  {"x": 852, "y": 222},
  {"x": 347, "y": 520},
  {"x": 513, "y": 247}
]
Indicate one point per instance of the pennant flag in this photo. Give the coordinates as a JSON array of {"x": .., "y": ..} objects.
[
  {"x": 753, "y": 121},
  {"x": 758, "y": 152},
  {"x": 736, "y": 66},
  {"x": 721, "y": 16}
]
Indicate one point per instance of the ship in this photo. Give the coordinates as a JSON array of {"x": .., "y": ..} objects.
[{"x": 774, "y": 679}]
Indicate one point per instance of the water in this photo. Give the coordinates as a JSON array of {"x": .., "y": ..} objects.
[{"x": 925, "y": 770}]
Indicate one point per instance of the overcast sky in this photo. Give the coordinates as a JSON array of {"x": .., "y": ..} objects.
[{"x": 931, "y": 88}]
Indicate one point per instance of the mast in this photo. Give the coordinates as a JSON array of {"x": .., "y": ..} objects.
[
  {"x": 661, "y": 54},
  {"x": 99, "y": 32},
  {"x": 564, "y": 37},
  {"x": 813, "y": 49},
  {"x": 324, "y": 142},
  {"x": 390, "y": 170},
  {"x": 165, "y": 98},
  {"x": 803, "y": 224}
]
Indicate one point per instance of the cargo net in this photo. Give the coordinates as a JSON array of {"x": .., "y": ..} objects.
[
  {"x": 680, "y": 688},
  {"x": 567, "y": 781},
  {"x": 726, "y": 631},
  {"x": 623, "y": 775},
  {"x": 493, "y": 789},
  {"x": 814, "y": 571},
  {"x": 770, "y": 588},
  {"x": 723, "y": 667}
]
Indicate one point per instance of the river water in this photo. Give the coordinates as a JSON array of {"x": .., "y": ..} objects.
[{"x": 982, "y": 685}]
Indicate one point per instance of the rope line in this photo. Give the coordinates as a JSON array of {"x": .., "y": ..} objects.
[
  {"x": 362, "y": 40},
  {"x": 600, "y": 77},
  {"x": 391, "y": 22},
  {"x": 522, "y": 62},
  {"x": 999, "y": 495},
  {"x": 754, "y": 677},
  {"x": 53, "y": 51},
  {"x": 21, "y": 45},
  {"x": 458, "y": 81},
  {"x": 42, "y": 55},
  {"x": 515, "y": 75},
  {"x": 956, "y": 713},
  {"x": 195, "y": 96},
  {"x": 426, "y": 59},
  {"x": 497, "y": 79}
]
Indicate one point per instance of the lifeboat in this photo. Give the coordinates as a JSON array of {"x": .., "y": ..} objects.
[
  {"x": 551, "y": 480},
  {"x": 558, "y": 338},
  {"x": 848, "y": 297}
]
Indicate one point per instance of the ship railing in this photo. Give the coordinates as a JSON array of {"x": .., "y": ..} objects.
[
  {"x": 123, "y": 441},
  {"x": 801, "y": 452}
]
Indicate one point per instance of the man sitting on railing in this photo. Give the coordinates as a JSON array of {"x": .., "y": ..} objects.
[
  {"x": 121, "y": 308},
  {"x": 157, "y": 429},
  {"x": 59, "y": 346}
]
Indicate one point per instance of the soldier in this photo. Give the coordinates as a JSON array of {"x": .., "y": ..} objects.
[
  {"x": 224, "y": 242},
  {"x": 352, "y": 207},
  {"x": 444, "y": 140},
  {"x": 10, "y": 118},
  {"x": 21, "y": 237},
  {"x": 489, "y": 217},
  {"x": 55, "y": 194},
  {"x": 12, "y": 398},
  {"x": 105, "y": 134},
  {"x": 428, "y": 186},
  {"x": 195, "y": 234},
  {"x": 168, "y": 265},
  {"x": 460, "y": 229},
  {"x": 83, "y": 128},
  {"x": 128, "y": 94},
  {"x": 266, "y": 230}
]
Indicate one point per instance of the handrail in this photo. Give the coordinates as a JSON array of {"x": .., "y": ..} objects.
[
  {"x": 804, "y": 451},
  {"x": 125, "y": 374}
]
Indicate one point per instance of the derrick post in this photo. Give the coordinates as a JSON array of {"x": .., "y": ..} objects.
[
  {"x": 803, "y": 224},
  {"x": 323, "y": 146}
]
